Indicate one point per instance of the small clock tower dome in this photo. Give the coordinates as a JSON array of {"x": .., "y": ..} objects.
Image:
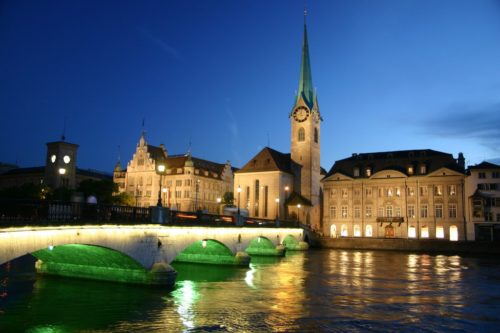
[{"x": 60, "y": 165}]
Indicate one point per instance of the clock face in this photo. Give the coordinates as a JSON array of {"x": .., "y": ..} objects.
[
  {"x": 300, "y": 114},
  {"x": 66, "y": 159},
  {"x": 53, "y": 158}
]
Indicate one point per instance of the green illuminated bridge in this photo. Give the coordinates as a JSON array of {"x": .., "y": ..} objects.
[{"x": 141, "y": 253}]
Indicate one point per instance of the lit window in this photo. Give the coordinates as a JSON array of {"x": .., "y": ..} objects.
[
  {"x": 368, "y": 231},
  {"x": 398, "y": 211},
  {"x": 333, "y": 212},
  {"x": 368, "y": 211},
  {"x": 356, "y": 172},
  {"x": 410, "y": 170},
  {"x": 357, "y": 231},
  {"x": 423, "y": 169},
  {"x": 452, "y": 189},
  {"x": 424, "y": 233},
  {"x": 411, "y": 211},
  {"x": 412, "y": 233},
  {"x": 333, "y": 230},
  {"x": 398, "y": 192},
  {"x": 389, "y": 192},
  {"x": 453, "y": 233},
  {"x": 388, "y": 211},
  {"x": 368, "y": 172},
  {"x": 439, "y": 232},
  {"x": 343, "y": 231},
  {"x": 438, "y": 190},
  {"x": 423, "y": 190},
  {"x": 411, "y": 191}
]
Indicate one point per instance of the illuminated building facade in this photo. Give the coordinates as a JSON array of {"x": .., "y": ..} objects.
[
  {"x": 187, "y": 183},
  {"x": 483, "y": 202},
  {"x": 397, "y": 194},
  {"x": 274, "y": 184}
]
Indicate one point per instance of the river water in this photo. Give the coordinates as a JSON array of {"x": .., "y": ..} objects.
[{"x": 314, "y": 291}]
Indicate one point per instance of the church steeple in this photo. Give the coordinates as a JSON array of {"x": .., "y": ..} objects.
[{"x": 306, "y": 89}]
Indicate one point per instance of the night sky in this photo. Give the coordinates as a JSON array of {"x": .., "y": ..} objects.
[{"x": 390, "y": 75}]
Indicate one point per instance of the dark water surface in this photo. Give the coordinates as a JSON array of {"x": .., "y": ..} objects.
[{"x": 315, "y": 291}]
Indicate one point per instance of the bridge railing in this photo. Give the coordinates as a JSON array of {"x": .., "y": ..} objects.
[{"x": 40, "y": 213}]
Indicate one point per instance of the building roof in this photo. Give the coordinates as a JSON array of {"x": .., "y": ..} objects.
[
  {"x": 93, "y": 173},
  {"x": 24, "y": 171},
  {"x": 395, "y": 160},
  {"x": 306, "y": 88},
  {"x": 268, "y": 159},
  {"x": 484, "y": 165},
  {"x": 296, "y": 199}
]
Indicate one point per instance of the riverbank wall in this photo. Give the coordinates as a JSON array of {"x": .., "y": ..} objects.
[{"x": 410, "y": 245}]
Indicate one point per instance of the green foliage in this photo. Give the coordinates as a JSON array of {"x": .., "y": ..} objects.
[
  {"x": 101, "y": 189},
  {"x": 228, "y": 198},
  {"x": 123, "y": 199}
]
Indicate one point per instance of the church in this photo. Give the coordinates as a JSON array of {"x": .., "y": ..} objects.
[{"x": 276, "y": 185}]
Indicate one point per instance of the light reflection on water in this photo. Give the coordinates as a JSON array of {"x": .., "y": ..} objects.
[{"x": 328, "y": 290}]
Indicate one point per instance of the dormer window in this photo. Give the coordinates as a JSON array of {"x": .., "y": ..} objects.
[
  {"x": 410, "y": 169},
  {"x": 368, "y": 172},
  {"x": 356, "y": 172},
  {"x": 423, "y": 169}
]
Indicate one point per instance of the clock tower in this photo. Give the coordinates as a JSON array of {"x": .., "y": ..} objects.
[
  {"x": 305, "y": 121},
  {"x": 60, "y": 165}
]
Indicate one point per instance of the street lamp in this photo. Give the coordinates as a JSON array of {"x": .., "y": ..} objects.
[
  {"x": 239, "y": 192},
  {"x": 164, "y": 191},
  {"x": 277, "y": 200},
  {"x": 298, "y": 212},
  {"x": 161, "y": 170},
  {"x": 219, "y": 200}
]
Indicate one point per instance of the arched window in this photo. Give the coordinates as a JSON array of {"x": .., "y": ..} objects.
[
  {"x": 302, "y": 134},
  {"x": 412, "y": 233},
  {"x": 357, "y": 231},
  {"x": 343, "y": 231},
  {"x": 316, "y": 135},
  {"x": 333, "y": 230},
  {"x": 368, "y": 231}
]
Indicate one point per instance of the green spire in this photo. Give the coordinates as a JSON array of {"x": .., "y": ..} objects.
[{"x": 306, "y": 89}]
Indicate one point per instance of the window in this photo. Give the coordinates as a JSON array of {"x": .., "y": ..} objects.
[
  {"x": 357, "y": 231},
  {"x": 411, "y": 191},
  {"x": 498, "y": 217},
  {"x": 424, "y": 233},
  {"x": 453, "y": 233},
  {"x": 368, "y": 172},
  {"x": 186, "y": 194},
  {"x": 368, "y": 231},
  {"x": 380, "y": 192},
  {"x": 266, "y": 192},
  {"x": 389, "y": 192},
  {"x": 439, "y": 211},
  {"x": 178, "y": 194},
  {"x": 368, "y": 211},
  {"x": 410, "y": 170},
  {"x": 344, "y": 193},
  {"x": 482, "y": 175},
  {"x": 301, "y": 134},
  {"x": 178, "y": 182},
  {"x": 388, "y": 211},
  {"x": 316, "y": 135},
  {"x": 356, "y": 172},
  {"x": 398, "y": 192},
  {"x": 412, "y": 233},
  {"x": 452, "y": 190},
  {"x": 333, "y": 230},
  {"x": 187, "y": 182},
  {"x": 452, "y": 211},
  {"x": 423, "y": 169},
  {"x": 357, "y": 192},
  {"x": 411, "y": 211},
  {"x": 423, "y": 190},
  {"x": 398, "y": 211},
  {"x": 344, "y": 212},
  {"x": 257, "y": 185},
  {"x": 488, "y": 216},
  {"x": 368, "y": 191},
  {"x": 439, "y": 232},
  {"x": 333, "y": 212},
  {"x": 495, "y": 174},
  {"x": 357, "y": 212},
  {"x": 438, "y": 190},
  {"x": 423, "y": 211},
  {"x": 169, "y": 182},
  {"x": 380, "y": 212},
  {"x": 343, "y": 231}
]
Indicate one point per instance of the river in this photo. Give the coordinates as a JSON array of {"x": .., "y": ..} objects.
[{"x": 314, "y": 291}]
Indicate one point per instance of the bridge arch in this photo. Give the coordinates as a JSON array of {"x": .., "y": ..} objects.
[
  {"x": 211, "y": 251},
  {"x": 263, "y": 246},
  {"x": 292, "y": 243}
]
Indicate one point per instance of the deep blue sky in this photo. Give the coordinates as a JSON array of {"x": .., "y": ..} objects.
[{"x": 390, "y": 75}]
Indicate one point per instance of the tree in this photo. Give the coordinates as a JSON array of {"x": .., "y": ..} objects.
[
  {"x": 228, "y": 198},
  {"x": 123, "y": 199},
  {"x": 101, "y": 189}
]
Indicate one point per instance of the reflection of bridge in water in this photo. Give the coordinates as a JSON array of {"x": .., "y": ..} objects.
[{"x": 140, "y": 253}]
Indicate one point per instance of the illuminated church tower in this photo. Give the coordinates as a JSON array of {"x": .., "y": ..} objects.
[{"x": 305, "y": 130}]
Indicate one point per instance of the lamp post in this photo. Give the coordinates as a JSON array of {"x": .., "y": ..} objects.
[
  {"x": 298, "y": 212},
  {"x": 277, "y": 200},
  {"x": 239, "y": 192},
  {"x": 219, "y": 200},
  {"x": 161, "y": 170},
  {"x": 286, "y": 199},
  {"x": 164, "y": 192}
]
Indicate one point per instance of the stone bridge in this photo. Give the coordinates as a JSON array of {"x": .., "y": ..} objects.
[{"x": 139, "y": 253}]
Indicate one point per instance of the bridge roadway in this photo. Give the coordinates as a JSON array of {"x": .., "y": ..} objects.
[{"x": 132, "y": 253}]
